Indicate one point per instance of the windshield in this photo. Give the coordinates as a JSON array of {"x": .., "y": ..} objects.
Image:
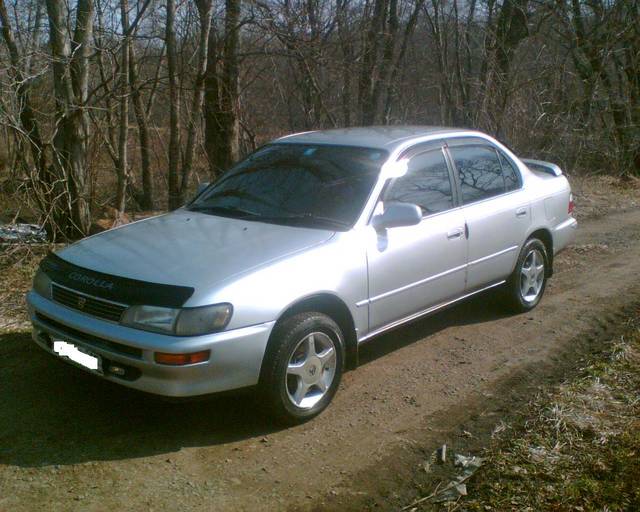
[{"x": 309, "y": 184}]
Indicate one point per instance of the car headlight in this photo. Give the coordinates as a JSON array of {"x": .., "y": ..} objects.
[
  {"x": 194, "y": 321},
  {"x": 151, "y": 318},
  {"x": 179, "y": 322},
  {"x": 42, "y": 284}
]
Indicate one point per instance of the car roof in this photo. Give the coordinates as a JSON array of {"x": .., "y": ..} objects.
[{"x": 378, "y": 137}]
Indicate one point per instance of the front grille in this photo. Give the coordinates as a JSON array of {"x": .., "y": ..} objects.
[{"x": 86, "y": 304}]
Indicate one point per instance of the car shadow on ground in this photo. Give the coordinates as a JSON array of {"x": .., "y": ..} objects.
[
  {"x": 51, "y": 413},
  {"x": 481, "y": 308}
]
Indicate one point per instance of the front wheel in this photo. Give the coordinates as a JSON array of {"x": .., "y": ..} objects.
[
  {"x": 302, "y": 367},
  {"x": 525, "y": 287}
]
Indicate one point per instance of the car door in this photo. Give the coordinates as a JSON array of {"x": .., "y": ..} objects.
[
  {"x": 496, "y": 209},
  {"x": 414, "y": 267}
]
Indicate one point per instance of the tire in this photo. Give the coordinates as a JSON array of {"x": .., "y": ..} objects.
[
  {"x": 525, "y": 287},
  {"x": 302, "y": 368}
]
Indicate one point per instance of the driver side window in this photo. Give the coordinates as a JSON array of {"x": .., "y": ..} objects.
[{"x": 426, "y": 184}]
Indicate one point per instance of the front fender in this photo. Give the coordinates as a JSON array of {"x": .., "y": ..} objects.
[{"x": 337, "y": 268}]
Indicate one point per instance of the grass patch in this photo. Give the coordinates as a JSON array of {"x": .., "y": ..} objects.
[{"x": 575, "y": 447}]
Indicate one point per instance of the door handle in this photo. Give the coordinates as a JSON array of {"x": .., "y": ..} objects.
[
  {"x": 521, "y": 212},
  {"x": 456, "y": 233}
]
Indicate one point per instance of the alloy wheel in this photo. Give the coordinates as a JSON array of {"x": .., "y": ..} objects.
[
  {"x": 532, "y": 275},
  {"x": 311, "y": 370}
]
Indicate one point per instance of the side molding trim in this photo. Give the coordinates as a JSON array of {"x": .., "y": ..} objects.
[{"x": 425, "y": 312}]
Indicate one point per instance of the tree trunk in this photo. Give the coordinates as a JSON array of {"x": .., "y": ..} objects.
[
  {"x": 70, "y": 76},
  {"x": 511, "y": 29},
  {"x": 21, "y": 85},
  {"x": 347, "y": 60},
  {"x": 399, "y": 62},
  {"x": 381, "y": 85},
  {"x": 174, "y": 107},
  {"x": 205, "y": 9},
  {"x": 370, "y": 56},
  {"x": 446, "y": 100},
  {"x": 222, "y": 128},
  {"x": 122, "y": 168},
  {"x": 144, "y": 197}
]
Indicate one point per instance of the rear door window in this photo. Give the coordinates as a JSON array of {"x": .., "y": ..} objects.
[{"x": 479, "y": 171}]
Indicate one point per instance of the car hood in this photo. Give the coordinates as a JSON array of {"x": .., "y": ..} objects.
[{"x": 189, "y": 248}]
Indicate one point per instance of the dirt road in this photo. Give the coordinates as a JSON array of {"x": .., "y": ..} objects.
[{"x": 69, "y": 441}]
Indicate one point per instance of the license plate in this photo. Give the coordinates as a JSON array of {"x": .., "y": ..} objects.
[{"x": 78, "y": 355}]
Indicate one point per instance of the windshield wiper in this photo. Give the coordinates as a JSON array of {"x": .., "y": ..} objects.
[
  {"x": 223, "y": 209},
  {"x": 306, "y": 217},
  {"x": 255, "y": 216}
]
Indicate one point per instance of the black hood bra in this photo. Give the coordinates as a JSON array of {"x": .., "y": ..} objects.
[{"x": 115, "y": 288}]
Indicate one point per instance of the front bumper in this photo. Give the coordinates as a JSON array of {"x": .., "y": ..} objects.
[{"x": 235, "y": 361}]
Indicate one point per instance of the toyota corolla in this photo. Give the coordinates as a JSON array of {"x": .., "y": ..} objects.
[{"x": 276, "y": 274}]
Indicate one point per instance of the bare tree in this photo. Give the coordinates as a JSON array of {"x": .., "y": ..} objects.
[
  {"x": 222, "y": 95},
  {"x": 21, "y": 83},
  {"x": 174, "y": 107},
  {"x": 122, "y": 167},
  {"x": 70, "y": 54},
  {"x": 144, "y": 197},
  {"x": 205, "y": 9},
  {"x": 155, "y": 96}
]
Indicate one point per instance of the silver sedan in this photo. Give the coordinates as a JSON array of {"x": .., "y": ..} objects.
[{"x": 276, "y": 274}]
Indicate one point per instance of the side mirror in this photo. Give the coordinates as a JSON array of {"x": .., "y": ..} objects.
[
  {"x": 396, "y": 215},
  {"x": 201, "y": 187}
]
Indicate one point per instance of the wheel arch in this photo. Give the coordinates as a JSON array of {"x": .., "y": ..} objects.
[
  {"x": 544, "y": 235},
  {"x": 334, "y": 307}
]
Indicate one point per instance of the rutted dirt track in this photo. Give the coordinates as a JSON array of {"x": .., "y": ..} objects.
[{"x": 70, "y": 441}]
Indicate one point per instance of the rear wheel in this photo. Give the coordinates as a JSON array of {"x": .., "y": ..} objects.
[
  {"x": 525, "y": 287},
  {"x": 303, "y": 367}
]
